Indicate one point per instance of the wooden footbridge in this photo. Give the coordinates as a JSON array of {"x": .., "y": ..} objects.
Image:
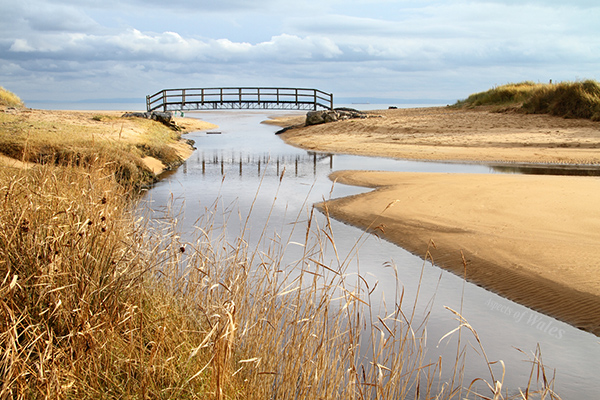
[{"x": 268, "y": 98}]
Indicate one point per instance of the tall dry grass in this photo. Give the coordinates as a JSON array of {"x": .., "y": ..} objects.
[
  {"x": 98, "y": 303},
  {"x": 86, "y": 312},
  {"x": 579, "y": 99},
  {"x": 566, "y": 99}
]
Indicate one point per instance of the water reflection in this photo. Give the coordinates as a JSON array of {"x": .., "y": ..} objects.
[
  {"x": 541, "y": 169},
  {"x": 255, "y": 164}
]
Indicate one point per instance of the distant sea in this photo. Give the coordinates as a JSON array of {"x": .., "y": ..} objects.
[
  {"x": 87, "y": 105},
  {"x": 141, "y": 105},
  {"x": 369, "y": 106}
]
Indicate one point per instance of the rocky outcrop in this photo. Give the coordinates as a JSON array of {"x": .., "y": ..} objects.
[
  {"x": 165, "y": 118},
  {"x": 338, "y": 114}
]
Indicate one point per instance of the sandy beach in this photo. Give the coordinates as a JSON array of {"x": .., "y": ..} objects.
[
  {"x": 444, "y": 133},
  {"x": 534, "y": 239}
]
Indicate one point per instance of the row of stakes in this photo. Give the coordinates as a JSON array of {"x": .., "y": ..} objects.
[{"x": 262, "y": 162}]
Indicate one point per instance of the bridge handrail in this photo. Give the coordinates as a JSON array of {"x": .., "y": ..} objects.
[{"x": 228, "y": 95}]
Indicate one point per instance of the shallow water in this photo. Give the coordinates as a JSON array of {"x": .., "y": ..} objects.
[{"x": 241, "y": 168}]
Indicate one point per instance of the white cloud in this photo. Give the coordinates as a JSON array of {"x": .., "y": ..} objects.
[
  {"x": 21, "y": 46},
  {"x": 170, "y": 46}
]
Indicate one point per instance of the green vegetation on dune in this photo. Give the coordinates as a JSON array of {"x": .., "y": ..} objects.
[
  {"x": 564, "y": 99},
  {"x": 9, "y": 99}
]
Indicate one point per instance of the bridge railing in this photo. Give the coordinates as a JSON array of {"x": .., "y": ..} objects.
[{"x": 238, "y": 98}]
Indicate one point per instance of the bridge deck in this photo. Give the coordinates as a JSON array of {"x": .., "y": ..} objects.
[{"x": 239, "y": 98}]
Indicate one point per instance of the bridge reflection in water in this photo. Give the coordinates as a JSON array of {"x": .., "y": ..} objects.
[{"x": 219, "y": 162}]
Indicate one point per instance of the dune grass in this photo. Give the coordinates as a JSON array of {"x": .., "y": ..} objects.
[
  {"x": 9, "y": 99},
  {"x": 565, "y": 99},
  {"x": 97, "y": 302}
]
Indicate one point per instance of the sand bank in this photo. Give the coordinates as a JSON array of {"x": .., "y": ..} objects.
[
  {"x": 444, "y": 133},
  {"x": 533, "y": 239}
]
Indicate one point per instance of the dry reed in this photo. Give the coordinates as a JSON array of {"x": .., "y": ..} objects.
[{"x": 99, "y": 303}]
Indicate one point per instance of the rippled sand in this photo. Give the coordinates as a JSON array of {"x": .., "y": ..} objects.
[{"x": 533, "y": 239}]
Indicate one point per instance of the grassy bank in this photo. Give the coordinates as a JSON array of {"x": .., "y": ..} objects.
[
  {"x": 99, "y": 300},
  {"x": 79, "y": 138},
  {"x": 564, "y": 99}
]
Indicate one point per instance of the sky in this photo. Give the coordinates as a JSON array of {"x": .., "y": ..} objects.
[{"x": 359, "y": 50}]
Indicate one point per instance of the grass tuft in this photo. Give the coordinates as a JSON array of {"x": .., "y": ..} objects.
[
  {"x": 9, "y": 99},
  {"x": 82, "y": 315},
  {"x": 565, "y": 99},
  {"x": 512, "y": 93}
]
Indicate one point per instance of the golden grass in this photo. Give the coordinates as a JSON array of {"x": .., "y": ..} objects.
[
  {"x": 97, "y": 302},
  {"x": 78, "y": 317},
  {"x": 63, "y": 140},
  {"x": 510, "y": 93},
  {"x": 9, "y": 99},
  {"x": 565, "y": 99}
]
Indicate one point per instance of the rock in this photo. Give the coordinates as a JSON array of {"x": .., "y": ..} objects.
[
  {"x": 165, "y": 118},
  {"x": 136, "y": 115},
  {"x": 330, "y": 116},
  {"x": 350, "y": 114},
  {"x": 348, "y": 109},
  {"x": 339, "y": 114},
  {"x": 315, "y": 118}
]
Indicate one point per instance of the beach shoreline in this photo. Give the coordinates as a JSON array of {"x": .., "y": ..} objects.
[
  {"x": 456, "y": 135},
  {"x": 530, "y": 238}
]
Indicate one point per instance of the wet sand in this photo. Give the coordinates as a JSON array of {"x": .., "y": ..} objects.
[{"x": 533, "y": 239}]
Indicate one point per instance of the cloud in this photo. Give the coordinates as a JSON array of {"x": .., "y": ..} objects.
[
  {"x": 133, "y": 45},
  {"x": 189, "y": 6},
  {"x": 350, "y": 45},
  {"x": 33, "y": 16},
  {"x": 21, "y": 46},
  {"x": 551, "y": 3}
]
